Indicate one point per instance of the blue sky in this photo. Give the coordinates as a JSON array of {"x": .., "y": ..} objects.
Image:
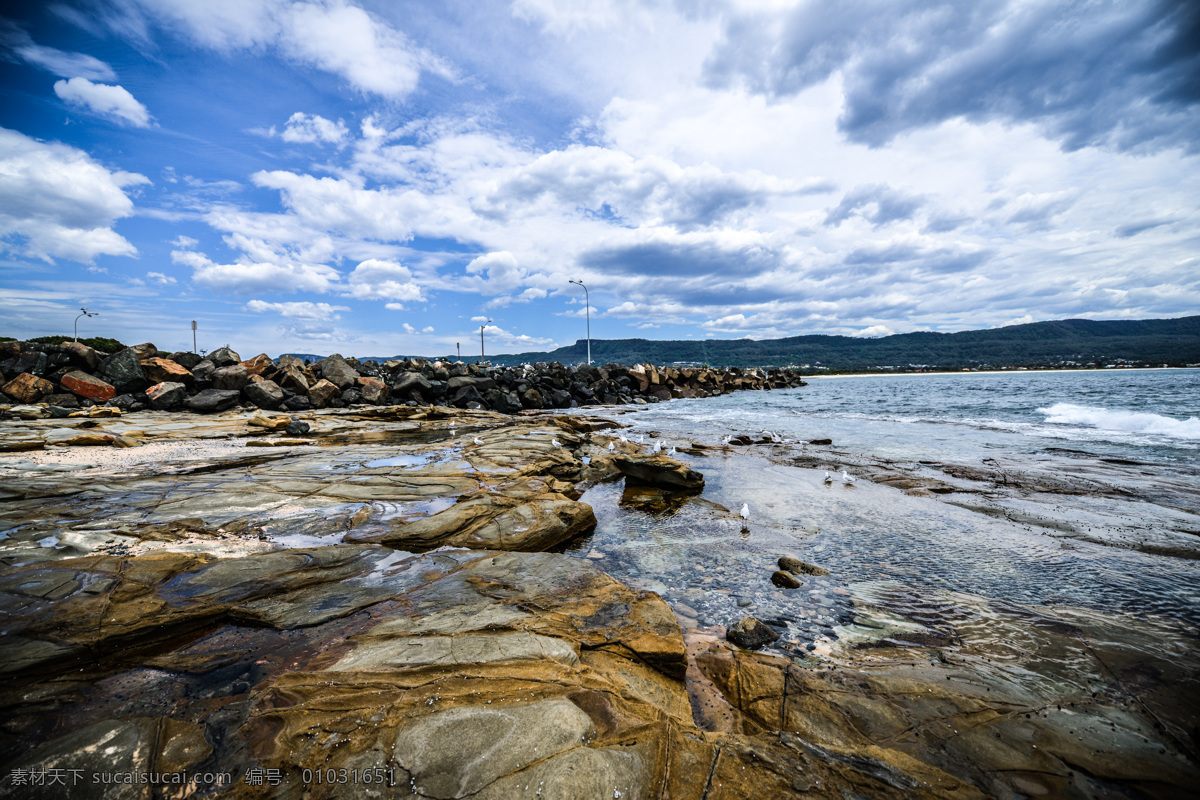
[{"x": 384, "y": 177}]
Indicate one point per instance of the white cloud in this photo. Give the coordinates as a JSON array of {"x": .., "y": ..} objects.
[
  {"x": 312, "y": 312},
  {"x": 105, "y": 100},
  {"x": 331, "y": 35},
  {"x": 427, "y": 329},
  {"x": 58, "y": 62},
  {"x": 304, "y": 128},
  {"x": 56, "y": 202},
  {"x": 184, "y": 242},
  {"x": 377, "y": 279},
  {"x": 160, "y": 278},
  {"x": 480, "y": 319},
  {"x": 874, "y": 331},
  {"x": 408, "y": 328},
  {"x": 245, "y": 277}
]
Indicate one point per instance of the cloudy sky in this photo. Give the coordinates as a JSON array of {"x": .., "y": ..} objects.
[{"x": 384, "y": 176}]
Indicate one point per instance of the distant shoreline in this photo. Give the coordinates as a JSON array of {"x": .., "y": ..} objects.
[{"x": 989, "y": 372}]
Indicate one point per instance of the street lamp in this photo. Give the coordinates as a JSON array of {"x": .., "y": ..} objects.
[
  {"x": 482, "y": 357},
  {"x": 85, "y": 313},
  {"x": 587, "y": 313}
]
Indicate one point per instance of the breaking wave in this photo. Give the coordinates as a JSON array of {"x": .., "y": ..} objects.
[{"x": 1135, "y": 422}]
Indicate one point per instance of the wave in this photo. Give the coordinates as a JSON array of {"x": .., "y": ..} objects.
[{"x": 1136, "y": 422}]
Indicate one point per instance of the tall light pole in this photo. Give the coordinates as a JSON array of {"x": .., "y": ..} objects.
[
  {"x": 193, "y": 336},
  {"x": 482, "y": 357},
  {"x": 85, "y": 313},
  {"x": 587, "y": 313}
]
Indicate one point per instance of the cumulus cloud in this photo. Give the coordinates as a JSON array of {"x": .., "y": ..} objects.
[
  {"x": 378, "y": 279},
  {"x": 160, "y": 278},
  {"x": 304, "y": 128},
  {"x": 874, "y": 332},
  {"x": 330, "y": 35},
  {"x": 103, "y": 99},
  {"x": 878, "y": 204},
  {"x": 247, "y": 276},
  {"x": 1115, "y": 73},
  {"x": 57, "y": 202},
  {"x": 313, "y": 312}
]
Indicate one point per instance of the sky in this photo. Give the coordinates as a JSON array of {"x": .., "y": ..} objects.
[{"x": 388, "y": 176}]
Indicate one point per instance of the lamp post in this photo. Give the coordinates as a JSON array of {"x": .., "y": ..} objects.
[
  {"x": 85, "y": 313},
  {"x": 193, "y": 336},
  {"x": 587, "y": 313},
  {"x": 482, "y": 357}
]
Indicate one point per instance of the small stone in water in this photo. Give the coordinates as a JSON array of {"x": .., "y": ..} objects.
[{"x": 297, "y": 428}]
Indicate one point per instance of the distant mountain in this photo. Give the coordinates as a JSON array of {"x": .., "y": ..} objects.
[{"x": 1070, "y": 342}]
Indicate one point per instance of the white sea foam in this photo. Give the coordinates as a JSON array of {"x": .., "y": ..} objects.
[{"x": 1120, "y": 421}]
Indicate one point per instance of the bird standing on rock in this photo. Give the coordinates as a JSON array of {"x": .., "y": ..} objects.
[
  {"x": 847, "y": 478},
  {"x": 477, "y": 440},
  {"x": 828, "y": 477},
  {"x": 556, "y": 442},
  {"x": 611, "y": 446},
  {"x": 745, "y": 515}
]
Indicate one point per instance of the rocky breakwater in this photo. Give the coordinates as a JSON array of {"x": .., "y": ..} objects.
[
  {"x": 315, "y": 620},
  {"x": 42, "y": 380}
]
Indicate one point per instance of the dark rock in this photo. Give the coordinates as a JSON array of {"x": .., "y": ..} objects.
[
  {"x": 410, "y": 382},
  {"x": 659, "y": 471},
  {"x": 124, "y": 371},
  {"x": 264, "y": 394},
  {"x": 750, "y": 633},
  {"x": 166, "y": 396},
  {"x": 785, "y": 580},
  {"x": 373, "y": 390},
  {"x": 291, "y": 378},
  {"x": 297, "y": 428},
  {"x": 233, "y": 378},
  {"x": 798, "y": 567},
  {"x": 297, "y": 402},
  {"x": 211, "y": 400},
  {"x": 820, "y": 441},
  {"x": 80, "y": 355},
  {"x": 351, "y": 397},
  {"x": 224, "y": 357},
  {"x": 335, "y": 370},
  {"x": 532, "y": 398},
  {"x": 62, "y": 399},
  {"x": 203, "y": 371},
  {"x": 186, "y": 359}
]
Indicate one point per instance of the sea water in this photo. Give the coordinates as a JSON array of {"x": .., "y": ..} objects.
[{"x": 888, "y": 548}]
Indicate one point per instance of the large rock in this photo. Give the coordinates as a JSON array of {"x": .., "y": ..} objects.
[
  {"x": 186, "y": 358},
  {"x": 28, "y": 388},
  {"x": 88, "y": 387},
  {"x": 261, "y": 364},
  {"x": 373, "y": 390},
  {"x": 264, "y": 394},
  {"x": 232, "y": 378},
  {"x": 224, "y": 357},
  {"x": 212, "y": 400},
  {"x": 124, "y": 371},
  {"x": 335, "y": 370},
  {"x": 659, "y": 470},
  {"x": 412, "y": 385},
  {"x": 322, "y": 393},
  {"x": 162, "y": 370},
  {"x": 166, "y": 396},
  {"x": 81, "y": 355},
  {"x": 750, "y": 633},
  {"x": 291, "y": 377}
]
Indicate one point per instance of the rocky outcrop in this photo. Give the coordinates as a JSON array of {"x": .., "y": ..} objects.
[
  {"x": 337, "y": 382},
  {"x": 28, "y": 388},
  {"x": 659, "y": 470}
]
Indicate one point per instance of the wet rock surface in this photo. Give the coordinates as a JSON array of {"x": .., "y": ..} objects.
[{"x": 375, "y": 600}]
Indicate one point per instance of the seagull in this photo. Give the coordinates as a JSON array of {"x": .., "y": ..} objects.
[
  {"x": 658, "y": 446},
  {"x": 671, "y": 452},
  {"x": 728, "y": 438},
  {"x": 624, "y": 438},
  {"x": 477, "y": 440},
  {"x": 611, "y": 446},
  {"x": 847, "y": 478},
  {"x": 556, "y": 442},
  {"x": 745, "y": 512},
  {"x": 828, "y": 477},
  {"x": 451, "y": 423}
]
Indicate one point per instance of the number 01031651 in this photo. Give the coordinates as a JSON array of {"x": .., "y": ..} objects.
[{"x": 374, "y": 775}]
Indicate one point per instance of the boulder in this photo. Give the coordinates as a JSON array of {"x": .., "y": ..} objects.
[
  {"x": 270, "y": 423},
  {"x": 81, "y": 355},
  {"x": 124, "y": 371},
  {"x": 162, "y": 370},
  {"x": 186, "y": 358},
  {"x": 166, "y": 396},
  {"x": 232, "y": 378},
  {"x": 212, "y": 400},
  {"x": 144, "y": 350},
  {"x": 292, "y": 378},
  {"x": 259, "y": 365},
  {"x": 750, "y": 633},
  {"x": 373, "y": 391},
  {"x": 264, "y": 394},
  {"x": 203, "y": 372},
  {"x": 224, "y": 357},
  {"x": 335, "y": 370},
  {"x": 28, "y": 388},
  {"x": 322, "y": 393},
  {"x": 297, "y": 428},
  {"x": 410, "y": 382},
  {"x": 659, "y": 471}
]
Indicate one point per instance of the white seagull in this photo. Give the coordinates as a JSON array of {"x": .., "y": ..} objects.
[
  {"x": 556, "y": 442},
  {"x": 612, "y": 446},
  {"x": 671, "y": 452},
  {"x": 745, "y": 512},
  {"x": 848, "y": 478},
  {"x": 828, "y": 477},
  {"x": 658, "y": 446},
  {"x": 477, "y": 440}
]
